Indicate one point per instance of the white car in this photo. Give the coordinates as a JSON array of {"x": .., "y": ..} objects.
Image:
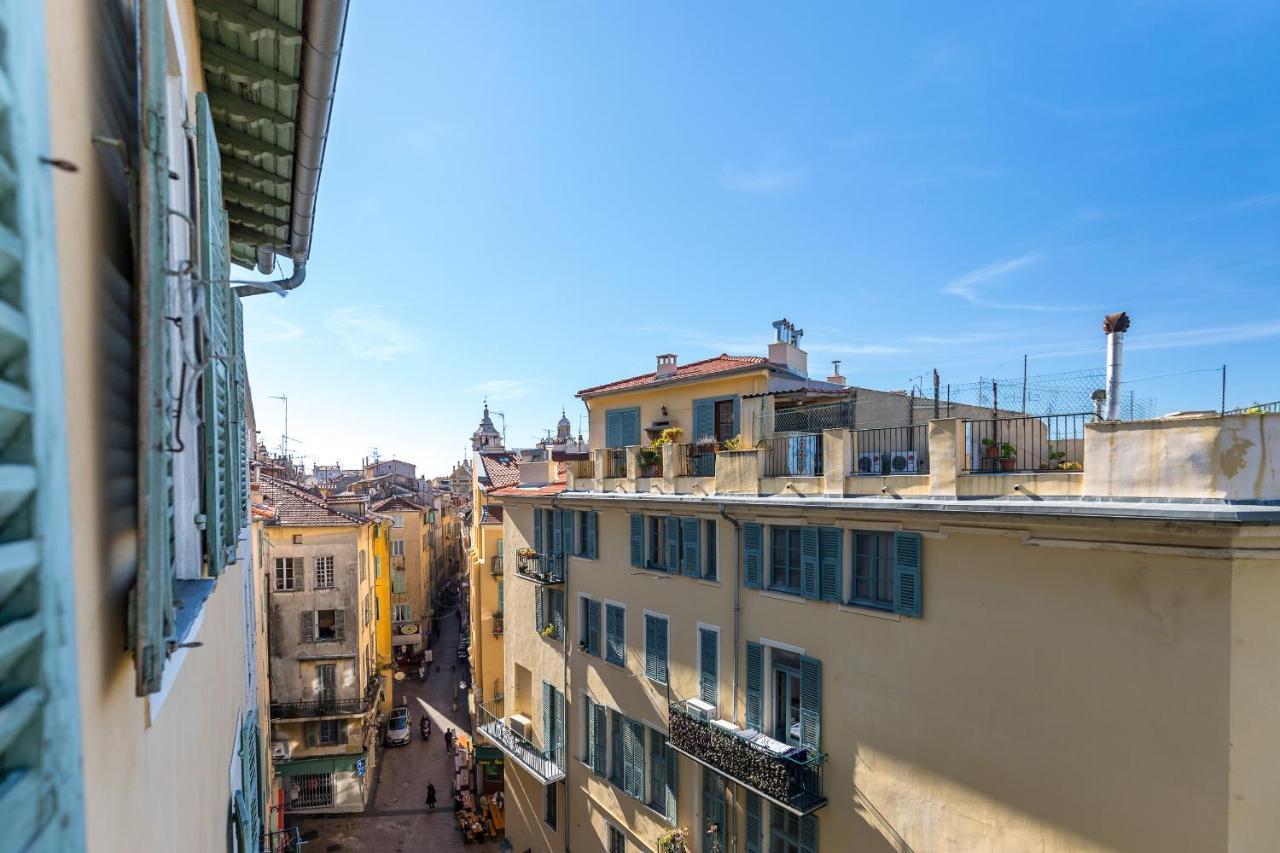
[{"x": 398, "y": 731}]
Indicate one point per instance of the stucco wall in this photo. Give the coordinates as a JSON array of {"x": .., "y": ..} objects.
[{"x": 677, "y": 398}]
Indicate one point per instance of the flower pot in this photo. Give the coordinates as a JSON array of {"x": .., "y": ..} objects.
[
  {"x": 990, "y": 451},
  {"x": 1007, "y": 463}
]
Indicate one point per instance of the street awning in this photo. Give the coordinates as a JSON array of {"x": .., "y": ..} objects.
[{"x": 331, "y": 764}]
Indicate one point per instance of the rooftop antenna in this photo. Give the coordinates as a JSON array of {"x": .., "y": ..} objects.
[{"x": 284, "y": 439}]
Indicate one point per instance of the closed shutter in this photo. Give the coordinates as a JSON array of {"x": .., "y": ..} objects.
[
  {"x": 593, "y": 627},
  {"x": 249, "y": 777},
  {"x": 713, "y": 808},
  {"x": 557, "y": 526},
  {"x": 153, "y": 594},
  {"x": 537, "y": 530},
  {"x": 615, "y": 635},
  {"x": 308, "y": 626},
  {"x": 340, "y": 624},
  {"x": 637, "y": 540},
  {"x": 810, "y": 703},
  {"x": 906, "y": 574},
  {"x": 600, "y": 732},
  {"x": 831, "y": 562},
  {"x": 708, "y": 665},
  {"x": 673, "y": 543},
  {"x": 558, "y": 727},
  {"x": 655, "y": 645},
  {"x": 689, "y": 547},
  {"x": 630, "y": 427},
  {"x": 635, "y": 779},
  {"x": 41, "y": 796},
  {"x": 755, "y": 686},
  {"x": 704, "y": 420},
  {"x": 737, "y": 421},
  {"x": 617, "y": 758},
  {"x": 752, "y": 546},
  {"x": 548, "y": 725},
  {"x": 673, "y": 776},
  {"x": 237, "y": 473},
  {"x": 751, "y": 822},
  {"x": 566, "y": 534},
  {"x": 593, "y": 527},
  {"x": 313, "y": 734},
  {"x": 809, "y": 562},
  {"x": 613, "y": 428},
  {"x": 628, "y": 751},
  {"x": 539, "y": 622},
  {"x": 557, "y": 612},
  {"x": 809, "y": 834}
]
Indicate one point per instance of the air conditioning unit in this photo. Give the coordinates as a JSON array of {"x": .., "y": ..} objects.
[
  {"x": 702, "y": 710},
  {"x": 902, "y": 462},
  {"x": 521, "y": 725},
  {"x": 725, "y": 726},
  {"x": 280, "y": 751},
  {"x": 870, "y": 463}
]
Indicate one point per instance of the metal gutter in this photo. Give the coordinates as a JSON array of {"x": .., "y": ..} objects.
[{"x": 323, "y": 36}]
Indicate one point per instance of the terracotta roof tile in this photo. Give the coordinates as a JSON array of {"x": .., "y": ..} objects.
[
  {"x": 297, "y": 508},
  {"x": 723, "y": 363},
  {"x": 490, "y": 514},
  {"x": 501, "y": 469},
  {"x": 530, "y": 491}
]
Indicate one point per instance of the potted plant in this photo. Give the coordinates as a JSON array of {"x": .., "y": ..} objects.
[
  {"x": 526, "y": 553},
  {"x": 989, "y": 448},
  {"x": 1008, "y": 456},
  {"x": 734, "y": 443},
  {"x": 548, "y": 630},
  {"x": 1056, "y": 458},
  {"x": 675, "y": 840},
  {"x": 670, "y": 435},
  {"x": 647, "y": 458}
]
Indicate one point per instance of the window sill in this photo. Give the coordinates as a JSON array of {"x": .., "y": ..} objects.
[
  {"x": 614, "y": 663},
  {"x": 709, "y": 581},
  {"x": 874, "y": 612},
  {"x": 191, "y": 597},
  {"x": 781, "y": 595}
]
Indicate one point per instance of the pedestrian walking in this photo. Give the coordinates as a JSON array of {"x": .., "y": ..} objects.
[{"x": 431, "y": 796}]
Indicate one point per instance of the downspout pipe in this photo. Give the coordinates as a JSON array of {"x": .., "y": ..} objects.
[
  {"x": 555, "y": 504},
  {"x": 737, "y": 628},
  {"x": 1114, "y": 326},
  {"x": 326, "y": 27}
]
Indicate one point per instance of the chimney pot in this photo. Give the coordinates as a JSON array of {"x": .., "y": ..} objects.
[{"x": 666, "y": 365}]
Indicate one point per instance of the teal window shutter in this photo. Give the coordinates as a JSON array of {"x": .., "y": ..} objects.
[
  {"x": 617, "y": 754},
  {"x": 593, "y": 627},
  {"x": 831, "y": 562},
  {"x": 637, "y": 540},
  {"x": 673, "y": 543},
  {"x": 599, "y": 756},
  {"x": 566, "y": 534},
  {"x": 655, "y": 646},
  {"x": 709, "y": 666},
  {"x": 557, "y": 612},
  {"x": 557, "y": 531},
  {"x": 537, "y": 530},
  {"x": 752, "y": 822},
  {"x": 906, "y": 574},
  {"x": 589, "y": 731},
  {"x": 558, "y": 733},
  {"x": 548, "y": 724},
  {"x": 630, "y": 427},
  {"x": 613, "y": 428},
  {"x": 539, "y": 622},
  {"x": 251, "y": 816},
  {"x": 709, "y": 568},
  {"x": 673, "y": 778},
  {"x": 704, "y": 420},
  {"x": 615, "y": 635},
  {"x": 752, "y": 547},
  {"x": 593, "y": 526},
  {"x": 714, "y": 807},
  {"x": 689, "y": 546},
  {"x": 737, "y": 421},
  {"x": 232, "y": 513},
  {"x": 809, "y": 562},
  {"x": 810, "y": 703},
  {"x": 635, "y": 779},
  {"x": 755, "y": 686},
  {"x": 809, "y": 834}
]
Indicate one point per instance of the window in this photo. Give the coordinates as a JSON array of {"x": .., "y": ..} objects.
[
  {"x": 323, "y": 626},
  {"x": 324, "y": 572},
  {"x": 397, "y": 520},
  {"x": 401, "y": 612},
  {"x": 616, "y": 634},
  {"x": 615, "y": 748},
  {"x": 288, "y": 572},
  {"x": 791, "y": 834},
  {"x": 708, "y": 664},
  {"x": 784, "y": 562},
  {"x": 398, "y": 584},
  {"x": 397, "y": 548},
  {"x": 549, "y": 810},
  {"x": 311, "y": 790},
  {"x": 786, "y": 697},
  {"x": 585, "y": 529},
  {"x": 664, "y": 542},
  {"x": 709, "y": 570},
  {"x": 655, "y": 648},
  {"x": 662, "y": 776},
  {"x": 622, "y": 427},
  {"x": 617, "y": 841},
  {"x": 326, "y": 682},
  {"x": 873, "y": 570},
  {"x": 589, "y": 626},
  {"x": 499, "y": 596},
  {"x": 297, "y": 539},
  {"x": 363, "y": 570},
  {"x": 715, "y": 829},
  {"x": 331, "y": 732}
]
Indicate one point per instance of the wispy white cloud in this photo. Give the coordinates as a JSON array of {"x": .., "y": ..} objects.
[
  {"x": 369, "y": 332},
  {"x": 970, "y": 286},
  {"x": 502, "y": 389},
  {"x": 1250, "y": 203},
  {"x": 276, "y": 329},
  {"x": 1202, "y": 337},
  {"x": 764, "y": 180}
]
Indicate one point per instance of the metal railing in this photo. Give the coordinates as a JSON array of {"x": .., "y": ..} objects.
[
  {"x": 891, "y": 450},
  {"x": 698, "y": 459},
  {"x": 541, "y": 568},
  {"x": 1045, "y": 443},
  {"x": 497, "y": 624},
  {"x": 585, "y": 468},
  {"x": 791, "y": 778},
  {"x": 492, "y": 725},
  {"x": 615, "y": 462},
  {"x": 1257, "y": 409},
  {"x": 328, "y": 706},
  {"x": 792, "y": 456},
  {"x": 651, "y": 468},
  {"x": 495, "y": 565},
  {"x": 282, "y": 840},
  {"x": 815, "y": 418}
]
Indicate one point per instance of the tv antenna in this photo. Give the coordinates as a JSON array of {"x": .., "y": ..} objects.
[{"x": 284, "y": 438}]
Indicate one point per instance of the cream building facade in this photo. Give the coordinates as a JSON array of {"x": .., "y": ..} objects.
[{"x": 1066, "y": 655}]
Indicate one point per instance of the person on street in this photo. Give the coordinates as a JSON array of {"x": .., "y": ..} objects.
[
  {"x": 431, "y": 796},
  {"x": 426, "y": 727}
]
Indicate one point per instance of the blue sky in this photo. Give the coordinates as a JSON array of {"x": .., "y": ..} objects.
[{"x": 521, "y": 200}]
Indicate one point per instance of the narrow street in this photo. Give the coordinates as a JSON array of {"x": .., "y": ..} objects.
[{"x": 397, "y": 820}]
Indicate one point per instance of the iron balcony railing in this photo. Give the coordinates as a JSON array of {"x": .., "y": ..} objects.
[
  {"x": 792, "y": 456},
  {"x": 519, "y": 748},
  {"x": 1257, "y": 409},
  {"x": 649, "y": 462},
  {"x": 816, "y": 418},
  {"x": 1044, "y": 443},
  {"x": 791, "y": 778},
  {"x": 495, "y": 565},
  {"x": 585, "y": 469},
  {"x": 326, "y": 706},
  {"x": 892, "y": 450},
  {"x": 282, "y": 840},
  {"x": 697, "y": 459},
  {"x": 541, "y": 568},
  {"x": 615, "y": 462}
]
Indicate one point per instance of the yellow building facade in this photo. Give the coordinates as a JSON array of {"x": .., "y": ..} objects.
[
  {"x": 410, "y": 612},
  {"x": 487, "y": 566},
  {"x": 1063, "y": 656}
]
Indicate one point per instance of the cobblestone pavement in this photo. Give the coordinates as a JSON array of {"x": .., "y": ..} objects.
[{"x": 397, "y": 820}]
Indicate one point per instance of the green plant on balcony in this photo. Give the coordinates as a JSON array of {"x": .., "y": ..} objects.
[
  {"x": 548, "y": 630},
  {"x": 734, "y": 443},
  {"x": 670, "y": 435},
  {"x": 989, "y": 448},
  {"x": 526, "y": 554},
  {"x": 647, "y": 457},
  {"x": 1008, "y": 456},
  {"x": 675, "y": 840}
]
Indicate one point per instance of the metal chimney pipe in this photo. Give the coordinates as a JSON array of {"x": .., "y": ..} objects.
[{"x": 1114, "y": 326}]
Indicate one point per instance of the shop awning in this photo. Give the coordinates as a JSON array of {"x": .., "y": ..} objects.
[{"x": 330, "y": 764}]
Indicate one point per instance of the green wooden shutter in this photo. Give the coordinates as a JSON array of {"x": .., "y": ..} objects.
[
  {"x": 751, "y": 822},
  {"x": 704, "y": 420},
  {"x": 539, "y": 622},
  {"x": 809, "y": 562},
  {"x": 714, "y": 810},
  {"x": 593, "y": 627},
  {"x": 752, "y": 546},
  {"x": 673, "y": 779},
  {"x": 153, "y": 594},
  {"x": 41, "y": 780},
  {"x": 755, "y": 686},
  {"x": 635, "y": 780},
  {"x": 308, "y": 628},
  {"x": 600, "y": 730},
  {"x": 689, "y": 546},
  {"x": 673, "y": 543},
  {"x": 593, "y": 528},
  {"x": 617, "y": 757},
  {"x": 628, "y": 752},
  {"x": 831, "y": 562},
  {"x": 809, "y": 834},
  {"x": 613, "y": 428},
  {"x": 737, "y": 422},
  {"x": 557, "y": 612},
  {"x": 249, "y": 776},
  {"x": 557, "y": 529},
  {"x": 709, "y": 666},
  {"x": 655, "y": 648},
  {"x": 237, "y": 474},
  {"x": 637, "y": 540},
  {"x": 615, "y": 635},
  {"x": 558, "y": 724},
  {"x": 537, "y": 530},
  {"x": 340, "y": 624},
  {"x": 810, "y": 703},
  {"x": 548, "y": 725},
  {"x": 907, "y": 584},
  {"x": 630, "y": 427}
]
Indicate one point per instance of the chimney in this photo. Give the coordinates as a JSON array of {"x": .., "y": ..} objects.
[
  {"x": 785, "y": 350},
  {"x": 835, "y": 378},
  {"x": 666, "y": 365},
  {"x": 1114, "y": 326}
]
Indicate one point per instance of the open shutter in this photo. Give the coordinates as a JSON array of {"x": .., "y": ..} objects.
[
  {"x": 566, "y": 532},
  {"x": 752, "y": 546},
  {"x": 593, "y": 627},
  {"x": 635, "y": 780},
  {"x": 689, "y": 546},
  {"x": 600, "y": 732},
  {"x": 655, "y": 648},
  {"x": 630, "y": 427},
  {"x": 558, "y": 724},
  {"x": 308, "y": 626},
  {"x": 615, "y": 637},
  {"x": 548, "y": 725},
  {"x": 153, "y": 594},
  {"x": 589, "y": 747},
  {"x": 906, "y": 574},
  {"x": 704, "y": 420},
  {"x": 810, "y": 703},
  {"x": 809, "y": 834},
  {"x": 831, "y": 562},
  {"x": 557, "y": 528},
  {"x": 673, "y": 543},
  {"x": 751, "y": 822},
  {"x": 637, "y": 540},
  {"x": 557, "y": 611},
  {"x": 340, "y": 624},
  {"x": 593, "y": 526},
  {"x": 41, "y": 792},
  {"x": 613, "y": 428},
  {"x": 755, "y": 686},
  {"x": 737, "y": 422},
  {"x": 809, "y": 562},
  {"x": 539, "y": 622},
  {"x": 249, "y": 775},
  {"x": 537, "y": 530},
  {"x": 708, "y": 665},
  {"x": 313, "y": 734},
  {"x": 237, "y": 479},
  {"x": 673, "y": 776}
]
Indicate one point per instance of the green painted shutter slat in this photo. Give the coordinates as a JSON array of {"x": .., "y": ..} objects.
[
  {"x": 689, "y": 546},
  {"x": 831, "y": 562},
  {"x": 593, "y": 627},
  {"x": 809, "y": 834},
  {"x": 809, "y": 562},
  {"x": 673, "y": 543},
  {"x": 635, "y": 779},
  {"x": 236, "y": 474},
  {"x": 752, "y": 821},
  {"x": 704, "y": 420},
  {"x": 600, "y": 758},
  {"x": 537, "y": 530},
  {"x": 752, "y": 546},
  {"x": 810, "y": 703},
  {"x": 593, "y": 527},
  {"x": 615, "y": 635},
  {"x": 637, "y": 540},
  {"x": 630, "y": 427},
  {"x": 558, "y": 732},
  {"x": 153, "y": 595},
  {"x": 613, "y": 428},
  {"x": 655, "y": 648},
  {"x": 557, "y": 528},
  {"x": 714, "y": 807},
  {"x": 548, "y": 727},
  {"x": 340, "y": 624},
  {"x": 737, "y": 423},
  {"x": 673, "y": 778},
  {"x": 308, "y": 626},
  {"x": 908, "y": 592},
  {"x": 539, "y": 622},
  {"x": 755, "y": 685},
  {"x": 709, "y": 666},
  {"x": 617, "y": 758},
  {"x": 589, "y": 747},
  {"x": 557, "y": 611}
]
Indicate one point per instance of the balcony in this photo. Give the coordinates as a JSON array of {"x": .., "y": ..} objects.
[
  {"x": 788, "y": 777},
  {"x": 328, "y": 706},
  {"x": 792, "y": 456},
  {"x": 503, "y": 734},
  {"x": 495, "y": 566},
  {"x": 1044, "y": 443},
  {"x": 497, "y": 624},
  {"x": 697, "y": 460},
  {"x": 540, "y": 568},
  {"x": 615, "y": 463}
]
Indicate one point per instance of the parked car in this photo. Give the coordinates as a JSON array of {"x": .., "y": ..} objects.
[{"x": 398, "y": 731}]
